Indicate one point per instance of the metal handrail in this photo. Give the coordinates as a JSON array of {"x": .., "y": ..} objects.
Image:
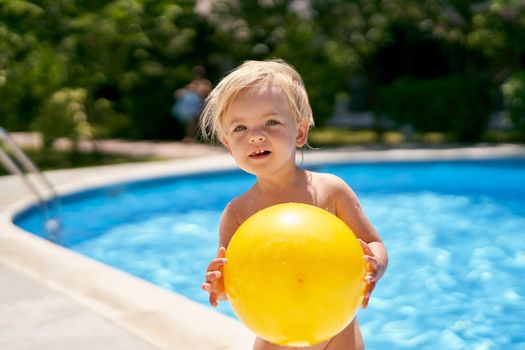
[{"x": 24, "y": 166}]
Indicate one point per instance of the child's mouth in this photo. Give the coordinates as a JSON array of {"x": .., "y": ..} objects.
[{"x": 260, "y": 154}]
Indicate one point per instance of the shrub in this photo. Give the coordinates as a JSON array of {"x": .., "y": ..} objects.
[
  {"x": 513, "y": 92},
  {"x": 459, "y": 104},
  {"x": 63, "y": 115}
]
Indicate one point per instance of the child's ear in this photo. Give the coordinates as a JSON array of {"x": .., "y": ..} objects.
[
  {"x": 302, "y": 133},
  {"x": 224, "y": 141}
]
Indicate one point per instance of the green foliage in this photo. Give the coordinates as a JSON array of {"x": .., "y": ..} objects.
[
  {"x": 63, "y": 115},
  {"x": 456, "y": 104},
  {"x": 259, "y": 30},
  {"x": 132, "y": 54},
  {"x": 128, "y": 56},
  {"x": 108, "y": 122},
  {"x": 513, "y": 91}
]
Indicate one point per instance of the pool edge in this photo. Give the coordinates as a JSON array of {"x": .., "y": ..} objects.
[{"x": 162, "y": 318}]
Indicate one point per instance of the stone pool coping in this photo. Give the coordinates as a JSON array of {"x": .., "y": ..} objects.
[{"x": 160, "y": 317}]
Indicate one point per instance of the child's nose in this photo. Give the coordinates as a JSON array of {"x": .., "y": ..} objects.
[{"x": 257, "y": 137}]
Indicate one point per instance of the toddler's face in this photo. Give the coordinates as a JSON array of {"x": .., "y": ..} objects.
[{"x": 260, "y": 131}]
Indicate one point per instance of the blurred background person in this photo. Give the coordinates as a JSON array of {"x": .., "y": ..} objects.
[{"x": 188, "y": 103}]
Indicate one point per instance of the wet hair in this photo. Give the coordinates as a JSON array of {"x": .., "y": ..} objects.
[{"x": 257, "y": 75}]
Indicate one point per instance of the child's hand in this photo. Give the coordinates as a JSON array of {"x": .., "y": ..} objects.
[
  {"x": 374, "y": 271},
  {"x": 214, "y": 283}
]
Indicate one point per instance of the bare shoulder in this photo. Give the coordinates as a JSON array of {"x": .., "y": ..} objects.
[
  {"x": 326, "y": 177},
  {"x": 330, "y": 182},
  {"x": 336, "y": 189},
  {"x": 240, "y": 205},
  {"x": 346, "y": 205}
]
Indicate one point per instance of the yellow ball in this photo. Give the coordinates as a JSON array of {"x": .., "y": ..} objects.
[{"x": 295, "y": 274}]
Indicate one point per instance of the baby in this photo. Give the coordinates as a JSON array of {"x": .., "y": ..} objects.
[{"x": 261, "y": 114}]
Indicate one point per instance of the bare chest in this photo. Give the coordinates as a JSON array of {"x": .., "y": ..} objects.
[{"x": 316, "y": 198}]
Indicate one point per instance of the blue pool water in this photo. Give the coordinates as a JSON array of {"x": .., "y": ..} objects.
[{"x": 454, "y": 231}]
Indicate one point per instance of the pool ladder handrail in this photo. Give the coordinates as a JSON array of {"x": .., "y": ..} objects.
[{"x": 18, "y": 163}]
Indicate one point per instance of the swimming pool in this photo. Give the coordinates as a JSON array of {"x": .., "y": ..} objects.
[{"x": 454, "y": 231}]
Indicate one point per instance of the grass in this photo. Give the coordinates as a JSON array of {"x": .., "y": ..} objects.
[
  {"x": 503, "y": 137},
  {"x": 337, "y": 136}
]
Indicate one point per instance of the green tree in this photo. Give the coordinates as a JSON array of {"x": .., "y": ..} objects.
[
  {"x": 63, "y": 115},
  {"x": 130, "y": 55},
  {"x": 268, "y": 29},
  {"x": 387, "y": 43}
]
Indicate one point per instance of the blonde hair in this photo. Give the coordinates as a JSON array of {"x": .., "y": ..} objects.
[{"x": 257, "y": 75}]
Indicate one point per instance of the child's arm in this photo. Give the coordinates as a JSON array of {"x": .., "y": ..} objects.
[
  {"x": 214, "y": 283},
  {"x": 376, "y": 257}
]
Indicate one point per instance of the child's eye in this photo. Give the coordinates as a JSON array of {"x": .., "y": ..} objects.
[
  {"x": 272, "y": 122},
  {"x": 239, "y": 128}
]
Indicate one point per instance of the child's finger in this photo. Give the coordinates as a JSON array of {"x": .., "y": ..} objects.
[
  {"x": 366, "y": 294},
  {"x": 366, "y": 248},
  {"x": 366, "y": 298},
  {"x": 221, "y": 252},
  {"x": 216, "y": 263},
  {"x": 371, "y": 267},
  {"x": 213, "y": 299},
  {"x": 370, "y": 277},
  {"x": 212, "y": 276},
  {"x": 371, "y": 260}
]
